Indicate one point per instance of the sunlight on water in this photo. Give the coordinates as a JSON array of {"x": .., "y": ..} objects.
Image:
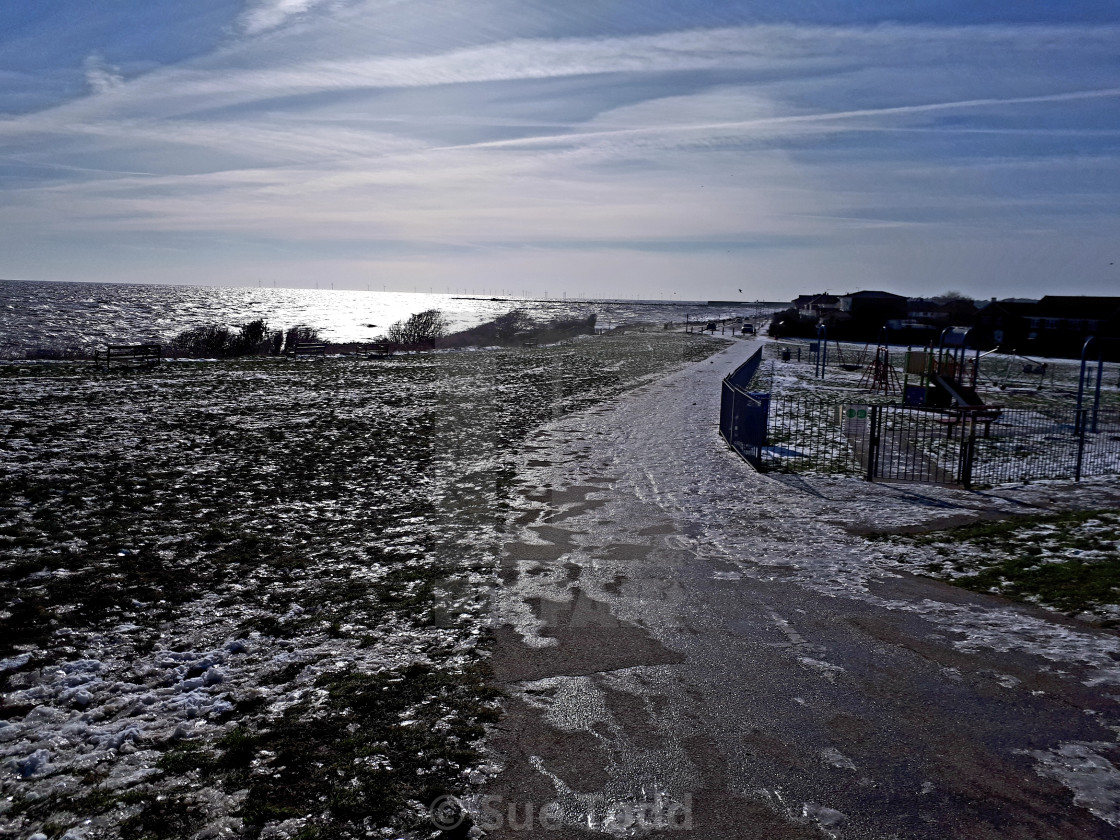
[{"x": 40, "y": 314}]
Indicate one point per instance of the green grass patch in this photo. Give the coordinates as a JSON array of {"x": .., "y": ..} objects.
[{"x": 1068, "y": 561}]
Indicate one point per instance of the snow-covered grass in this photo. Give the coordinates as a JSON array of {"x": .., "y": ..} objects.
[
  {"x": 1001, "y": 379},
  {"x": 1066, "y": 561},
  {"x": 253, "y": 596},
  {"x": 806, "y": 435}
]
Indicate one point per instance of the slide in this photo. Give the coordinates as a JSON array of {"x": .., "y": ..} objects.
[{"x": 962, "y": 396}]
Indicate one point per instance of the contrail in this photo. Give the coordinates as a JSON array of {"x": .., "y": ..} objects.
[{"x": 833, "y": 116}]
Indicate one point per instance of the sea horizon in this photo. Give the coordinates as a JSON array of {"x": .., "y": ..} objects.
[{"x": 61, "y": 314}]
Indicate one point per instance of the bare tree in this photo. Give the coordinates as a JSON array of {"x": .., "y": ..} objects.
[
  {"x": 422, "y": 328},
  {"x": 951, "y": 295}
]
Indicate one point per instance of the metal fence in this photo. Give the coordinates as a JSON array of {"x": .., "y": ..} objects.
[
  {"x": 1029, "y": 444},
  {"x": 894, "y": 442},
  {"x": 742, "y": 414}
]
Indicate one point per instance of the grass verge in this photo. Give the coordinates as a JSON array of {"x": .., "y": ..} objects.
[{"x": 1069, "y": 562}]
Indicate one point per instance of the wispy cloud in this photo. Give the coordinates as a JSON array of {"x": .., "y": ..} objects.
[
  {"x": 766, "y": 53},
  {"x": 101, "y": 76},
  {"x": 263, "y": 15},
  {"x": 823, "y": 117}
]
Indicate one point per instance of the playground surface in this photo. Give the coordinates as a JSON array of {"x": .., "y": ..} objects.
[{"x": 692, "y": 647}]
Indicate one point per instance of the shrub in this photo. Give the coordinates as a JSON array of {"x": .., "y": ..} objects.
[
  {"x": 213, "y": 341},
  {"x": 515, "y": 326},
  {"x": 422, "y": 328},
  {"x": 297, "y": 335}
]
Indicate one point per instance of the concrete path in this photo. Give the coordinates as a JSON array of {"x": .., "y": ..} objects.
[{"x": 695, "y": 650}]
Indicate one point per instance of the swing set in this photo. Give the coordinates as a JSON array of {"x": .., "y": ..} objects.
[
  {"x": 1019, "y": 372},
  {"x": 851, "y": 366}
]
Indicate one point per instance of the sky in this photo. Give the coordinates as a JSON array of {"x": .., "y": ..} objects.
[{"x": 614, "y": 148}]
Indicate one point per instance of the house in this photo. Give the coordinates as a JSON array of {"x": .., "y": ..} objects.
[
  {"x": 943, "y": 312},
  {"x": 1004, "y": 323},
  {"x": 1056, "y": 325},
  {"x": 817, "y": 305},
  {"x": 1062, "y": 323},
  {"x": 926, "y": 311},
  {"x": 874, "y": 308}
]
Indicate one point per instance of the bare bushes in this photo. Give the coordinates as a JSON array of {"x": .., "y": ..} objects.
[
  {"x": 288, "y": 341},
  {"x": 518, "y": 327},
  {"x": 213, "y": 341},
  {"x": 421, "y": 329}
]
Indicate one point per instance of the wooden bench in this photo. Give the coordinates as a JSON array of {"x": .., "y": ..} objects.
[
  {"x": 380, "y": 351},
  {"x": 131, "y": 356},
  {"x": 307, "y": 348}
]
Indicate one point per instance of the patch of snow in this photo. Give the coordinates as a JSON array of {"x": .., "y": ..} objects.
[
  {"x": 727, "y": 575},
  {"x": 14, "y": 662},
  {"x": 37, "y": 763},
  {"x": 1094, "y": 779},
  {"x": 825, "y": 669},
  {"x": 834, "y": 758},
  {"x": 819, "y": 814}
]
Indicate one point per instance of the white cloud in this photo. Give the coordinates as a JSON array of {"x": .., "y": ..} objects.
[
  {"x": 263, "y": 15},
  {"x": 100, "y": 76}
]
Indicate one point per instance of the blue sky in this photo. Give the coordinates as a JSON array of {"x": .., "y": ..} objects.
[{"x": 632, "y": 149}]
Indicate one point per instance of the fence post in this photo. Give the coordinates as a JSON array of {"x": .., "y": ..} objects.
[
  {"x": 968, "y": 451},
  {"x": 761, "y": 442},
  {"x": 736, "y": 421},
  {"x": 1081, "y": 412},
  {"x": 1097, "y": 393},
  {"x": 872, "y": 442}
]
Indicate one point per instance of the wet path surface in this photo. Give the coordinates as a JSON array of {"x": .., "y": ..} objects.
[{"x": 693, "y": 649}]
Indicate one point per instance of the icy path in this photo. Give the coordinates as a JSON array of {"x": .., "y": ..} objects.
[{"x": 691, "y": 646}]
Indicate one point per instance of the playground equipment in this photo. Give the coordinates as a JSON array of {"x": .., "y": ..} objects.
[
  {"x": 1018, "y": 372},
  {"x": 846, "y": 363},
  {"x": 946, "y": 377},
  {"x": 819, "y": 350},
  {"x": 822, "y": 351},
  {"x": 880, "y": 374}
]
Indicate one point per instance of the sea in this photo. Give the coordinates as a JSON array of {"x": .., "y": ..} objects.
[{"x": 59, "y": 316}]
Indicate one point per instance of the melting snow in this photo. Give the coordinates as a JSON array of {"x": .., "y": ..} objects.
[{"x": 1094, "y": 780}]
